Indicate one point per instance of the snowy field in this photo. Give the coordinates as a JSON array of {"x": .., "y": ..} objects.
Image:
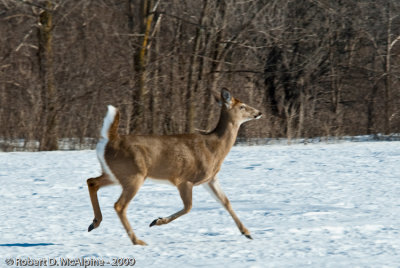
[{"x": 316, "y": 205}]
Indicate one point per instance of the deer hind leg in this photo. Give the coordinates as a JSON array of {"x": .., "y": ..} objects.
[
  {"x": 215, "y": 189},
  {"x": 185, "y": 190},
  {"x": 121, "y": 206},
  {"x": 94, "y": 184}
]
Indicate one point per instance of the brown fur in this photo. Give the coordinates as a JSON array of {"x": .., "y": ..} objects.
[{"x": 184, "y": 160}]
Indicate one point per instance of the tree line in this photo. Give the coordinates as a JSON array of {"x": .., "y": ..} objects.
[{"x": 313, "y": 67}]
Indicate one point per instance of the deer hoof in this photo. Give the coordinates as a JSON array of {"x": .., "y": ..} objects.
[
  {"x": 154, "y": 222},
  {"x": 91, "y": 227},
  {"x": 139, "y": 242},
  {"x": 248, "y": 236},
  {"x": 94, "y": 225}
]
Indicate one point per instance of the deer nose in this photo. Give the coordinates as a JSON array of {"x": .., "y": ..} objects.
[{"x": 258, "y": 116}]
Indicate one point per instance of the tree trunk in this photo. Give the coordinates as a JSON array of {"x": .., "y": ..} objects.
[
  {"x": 388, "y": 74},
  {"x": 145, "y": 20},
  {"x": 193, "y": 67},
  {"x": 49, "y": 137}
]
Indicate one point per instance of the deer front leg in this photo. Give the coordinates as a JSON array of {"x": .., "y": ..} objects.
[
  {"x": 215, "y": 189},
  {"x": 185, "y": 190}
]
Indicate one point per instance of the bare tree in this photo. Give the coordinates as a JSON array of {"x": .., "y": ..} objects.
[{"x": 313, "y": 67}]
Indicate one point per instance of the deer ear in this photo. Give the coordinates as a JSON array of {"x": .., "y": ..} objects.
[
  {"x": 217, "y": 97},
  {"x": 226, "y": 97}
]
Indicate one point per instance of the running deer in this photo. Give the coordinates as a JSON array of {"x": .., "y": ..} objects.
[{"x": 184, "y": 160}]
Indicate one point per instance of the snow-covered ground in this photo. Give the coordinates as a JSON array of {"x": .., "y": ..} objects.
[{"x": 318, "y": 205}]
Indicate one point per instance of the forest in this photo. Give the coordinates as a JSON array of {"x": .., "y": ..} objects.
[{"x": 314, "y": 68}]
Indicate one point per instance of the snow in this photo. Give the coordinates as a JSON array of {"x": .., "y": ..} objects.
[{"x": 315, "y": 205}]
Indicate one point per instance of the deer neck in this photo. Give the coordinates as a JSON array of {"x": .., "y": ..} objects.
[{"x": 225, "y": 133}]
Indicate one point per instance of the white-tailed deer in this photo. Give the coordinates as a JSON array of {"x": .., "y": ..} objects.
[{"x": 184, "y": 160}]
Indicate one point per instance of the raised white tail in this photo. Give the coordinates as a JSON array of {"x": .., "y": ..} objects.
[
  {"x": 108, "y": 120},
  {"x": 108, "y": 132}
]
